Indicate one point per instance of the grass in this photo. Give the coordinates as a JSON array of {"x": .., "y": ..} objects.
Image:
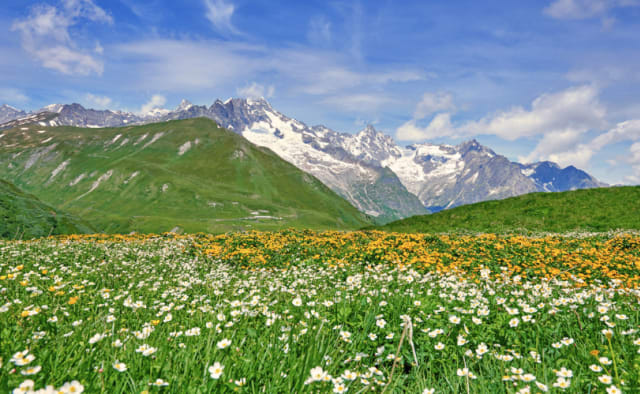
[
  {"x": 23, "y": 216},
  {"x": 300, "y": 311},
  {"x": 135, "y": 179},
  {"x": 596, "y": 210}
]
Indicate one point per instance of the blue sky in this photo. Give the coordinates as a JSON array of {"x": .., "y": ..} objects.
[{"x": 534, "y": 80}]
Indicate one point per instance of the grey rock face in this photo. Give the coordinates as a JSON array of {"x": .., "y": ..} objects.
[{"x": 549, "y": 177}]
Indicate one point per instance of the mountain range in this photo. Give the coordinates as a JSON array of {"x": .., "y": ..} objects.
[{"x": 369, "y": 169}]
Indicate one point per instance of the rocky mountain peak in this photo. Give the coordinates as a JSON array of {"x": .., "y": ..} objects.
[{"x": 184, "y": 105}]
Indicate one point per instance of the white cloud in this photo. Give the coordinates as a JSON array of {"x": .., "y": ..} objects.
[
  {"x": 575, "y": 110},
  {"x": 45, "y": 36},
  {"x": 432, "y": 103},
  {"x": 11, "y": 95},
  {"x": 256, "y": 90},
  {"x": 97, "y": 101},
  {"x": 190, "y": 65},
  {"x": 558, "y": 121},
  {"x": 628, "y": 130},
  {"x": 156, "y": 101},
  {"x": 440, "y": 126},
  {"x": 362, "y": 102},
  {"x": 634, "y": 160},
  {"x": 584, "y": 9},
  {"x": 219, "y": 13}
]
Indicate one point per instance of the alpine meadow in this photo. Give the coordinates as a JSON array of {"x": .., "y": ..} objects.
[{"x": 414, "y": 197}]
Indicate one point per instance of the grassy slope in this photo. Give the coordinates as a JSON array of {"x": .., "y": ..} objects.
[
  {"x": 23, "y": 216},
  {"x": 588, "y": 210},
  {"x": 211, "y": 187}
]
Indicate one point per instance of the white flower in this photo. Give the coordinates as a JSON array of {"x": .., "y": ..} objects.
[
  {"x": 216, "y": 370},
  {"x": 439, "y": 346},
  {"x": 564, "y": 373},
  {"x": 25, "y": 387},
  {"x": 542, "y": 387},
  {"x": 340, "y": 388},
  {"x": 146, "y": 350},
  {"x": 159, "y": 382},
  {"x": 223, "y": 343},
  {"x": 96, "y": 338},
  {"x": 297, "y": 301},
  {"x": 317, "y": 374},
  {"x": 613, "y": 390},
  {"x": 120, "y": 367},
  {"x": 31, "y": 370},
  {"x": 562, "y": 383},
  {"x": 428, "y": 391},
  {"x": 605, "y": 379},
  {"x": 72, "y": 387},
  {"x": 605, "y": 361},
  {"x": 462, "y": 372}
]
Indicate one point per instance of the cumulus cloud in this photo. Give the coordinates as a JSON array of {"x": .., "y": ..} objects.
[
  {"x": 432, "y": 103},
  {"x": 439, "y": 126},
  {"x": 97, "y": 101},
  {"x": 576, "y": 109},
  {"x": 156, "y": 101},
  {"x": 585, "y": 9},
  {"x": 628, "y": 130},
  {"x": 559, "y": 119},
  {"x": 256, "y": 90},
  {"x": 219, "y": 13},
  {"x": 45, "y": 35},
  {"x": 558, "y": 122}
]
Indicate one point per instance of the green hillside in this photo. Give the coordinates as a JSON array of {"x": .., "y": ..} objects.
[
  {"x": 184, "y": 175},
  {"x": 584, "y": 210},
  {"x": 23, "y": 216}
]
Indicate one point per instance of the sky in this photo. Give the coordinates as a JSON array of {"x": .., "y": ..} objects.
[{"x": 537, "y": 80}]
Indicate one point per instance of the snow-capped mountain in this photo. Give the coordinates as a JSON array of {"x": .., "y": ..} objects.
[
  {"x": 369, "y": 169},
  {"x": 8, "y": 113}
]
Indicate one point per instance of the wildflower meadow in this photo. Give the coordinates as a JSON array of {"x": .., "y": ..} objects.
[{"x": 309, "y": 312}]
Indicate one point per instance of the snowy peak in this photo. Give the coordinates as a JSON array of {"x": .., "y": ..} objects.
[
  {"x": 473, "y": 146},
  {"x": 371, "y": 146},
  {"x": 9, "y": 113},
  {"x": 184, "y": 105}
]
